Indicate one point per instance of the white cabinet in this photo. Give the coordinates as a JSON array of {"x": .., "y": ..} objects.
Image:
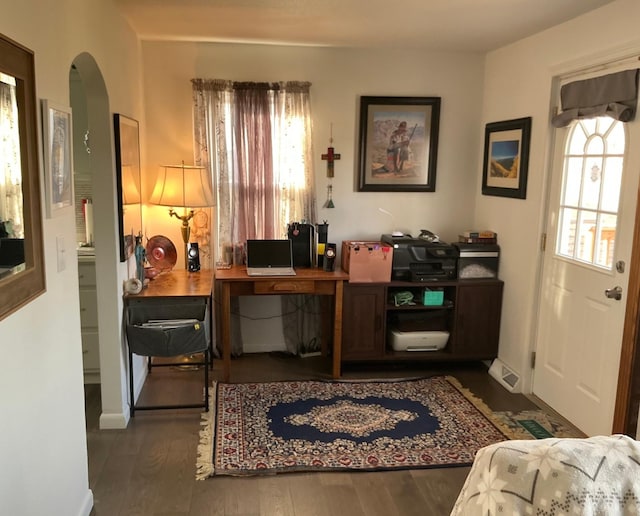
[{"x": 89, "y": 318}]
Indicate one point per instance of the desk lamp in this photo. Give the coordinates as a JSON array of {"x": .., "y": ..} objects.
[{"x": 186, "y": 187}]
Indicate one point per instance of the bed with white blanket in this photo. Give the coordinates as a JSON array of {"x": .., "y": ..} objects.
[{"x": 554, "y": 477}]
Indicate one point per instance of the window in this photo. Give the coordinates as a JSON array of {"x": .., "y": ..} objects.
[
  {"x": 592, "y": 177},
  {"x": 255, "y": 138},
  {"x": 11, "y": 202}
]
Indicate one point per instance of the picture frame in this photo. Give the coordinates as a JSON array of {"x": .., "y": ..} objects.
[
  {"x": 128, "y": 182},
  {"x": 506, "y": 158},
  {"x": 398, "y": 148},
  {"x": 58, "y": 158}
]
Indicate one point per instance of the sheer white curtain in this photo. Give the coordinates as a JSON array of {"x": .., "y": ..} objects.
[
  {"x": 11, "y": 203},
  {"x": 256, "y": 141}
]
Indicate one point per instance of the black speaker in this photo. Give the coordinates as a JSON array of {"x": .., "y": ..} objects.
[
  {"x": 329, "y": 262},
  {"x": 193, "y": 257}
]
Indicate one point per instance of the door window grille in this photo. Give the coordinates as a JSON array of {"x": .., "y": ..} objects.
[{"x": 589, "y": 202}]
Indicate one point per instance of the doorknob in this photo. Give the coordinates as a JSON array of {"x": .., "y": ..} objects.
[{"x": 614, "y": 293}]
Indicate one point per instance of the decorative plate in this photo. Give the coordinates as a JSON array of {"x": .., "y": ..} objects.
[{"x": 161, "y": 253}]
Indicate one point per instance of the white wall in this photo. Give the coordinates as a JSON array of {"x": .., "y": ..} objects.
[
  {"x": 43, "y": 451},
  {"x": 339, "y": 77},
  {"x": 518, "y": 81},
  {"x": 42, "y": 436}
]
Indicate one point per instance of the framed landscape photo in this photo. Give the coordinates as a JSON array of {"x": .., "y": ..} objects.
[
  {"x": 506, "y": 158},
  {"x": 398, "y": 146},
  {"x": 58, "y": 157}
]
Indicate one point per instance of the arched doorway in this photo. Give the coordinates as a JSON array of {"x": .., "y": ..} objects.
[{"x": 112, "y": 359}]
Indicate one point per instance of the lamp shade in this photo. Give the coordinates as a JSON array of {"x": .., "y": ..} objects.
[{"x": 184, "y": 186}]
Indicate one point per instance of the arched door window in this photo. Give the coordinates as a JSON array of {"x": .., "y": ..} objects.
[{"x": 592, "y": 177}]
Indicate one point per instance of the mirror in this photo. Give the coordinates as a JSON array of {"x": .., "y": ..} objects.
[
  {"x": 128, "y": 182},
  {"x": 21, "y": 246}
]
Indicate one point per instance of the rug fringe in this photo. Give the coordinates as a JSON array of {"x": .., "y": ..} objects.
[
  {"x": 484, "y": 408},
  {"x": 204, "y": 464}
]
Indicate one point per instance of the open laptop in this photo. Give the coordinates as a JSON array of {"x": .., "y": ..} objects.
[{"x": 270, "y": 258}]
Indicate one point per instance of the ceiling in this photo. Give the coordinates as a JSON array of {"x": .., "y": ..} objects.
[{"x": 445, "y": 25}]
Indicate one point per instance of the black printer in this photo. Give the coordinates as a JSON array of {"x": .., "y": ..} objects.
[{"x": 421, "y": 259}]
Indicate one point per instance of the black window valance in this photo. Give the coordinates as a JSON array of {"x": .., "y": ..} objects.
[{"x": 614, "y": 95}]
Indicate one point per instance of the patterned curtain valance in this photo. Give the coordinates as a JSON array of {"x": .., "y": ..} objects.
[
  {"x": 614, "y": 95},
  {"x": 225, "y": 85}
]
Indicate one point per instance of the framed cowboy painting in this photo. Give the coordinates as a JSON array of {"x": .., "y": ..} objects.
[{"x": 398, "y": 144}]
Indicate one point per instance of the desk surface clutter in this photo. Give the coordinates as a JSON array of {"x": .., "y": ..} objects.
[{"x": 179, "y": 283}]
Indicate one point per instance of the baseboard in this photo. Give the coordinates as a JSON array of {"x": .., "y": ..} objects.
[
  {"x": 87, "y": 504},
  {"x": 140, "y": 377},
  {"x": 92, "y": 377},
  {"x": 120, "y": 420},
  {"x": 114, "y": 421},
  {"x": 505, "y": 376}
]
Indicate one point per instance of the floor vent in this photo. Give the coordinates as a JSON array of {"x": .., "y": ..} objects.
[{"x": 508, "y": 378}]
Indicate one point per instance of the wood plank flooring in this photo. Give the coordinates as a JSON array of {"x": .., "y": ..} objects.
[{"x": 148, "y": 469}]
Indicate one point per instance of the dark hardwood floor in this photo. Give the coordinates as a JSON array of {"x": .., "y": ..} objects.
[{"x": 149, "y": 468}]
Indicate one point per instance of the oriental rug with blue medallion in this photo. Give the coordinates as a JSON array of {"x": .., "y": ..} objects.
[{"x": 277, "y": 427}]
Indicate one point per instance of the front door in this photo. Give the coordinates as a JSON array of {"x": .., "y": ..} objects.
[{"x": 584, "y": 283}]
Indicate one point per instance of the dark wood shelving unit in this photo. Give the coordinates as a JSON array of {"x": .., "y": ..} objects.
[{"x": 470, "y": 312}]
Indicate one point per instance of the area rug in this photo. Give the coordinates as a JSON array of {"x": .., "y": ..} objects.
[
  {"x": 277, "y": 427},
  {"x": 536, "y": 424}
]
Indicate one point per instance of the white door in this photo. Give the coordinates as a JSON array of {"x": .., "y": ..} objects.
[{"x": 589, "y": 235}]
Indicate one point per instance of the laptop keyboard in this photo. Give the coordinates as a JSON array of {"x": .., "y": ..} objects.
[{"x": 270, "y": 271}]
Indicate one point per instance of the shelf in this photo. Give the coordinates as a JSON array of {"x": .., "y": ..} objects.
[
  {"x": 443, "y": 354},
  {"x": 470, "y": 314},
  {"x": 418, "y": 306},
  {"x": 392, "y": 355}
]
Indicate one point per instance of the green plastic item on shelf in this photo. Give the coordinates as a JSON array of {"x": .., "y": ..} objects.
[
  {"x": 403, "y": 297},
  {"x": 432, "y": 297}
]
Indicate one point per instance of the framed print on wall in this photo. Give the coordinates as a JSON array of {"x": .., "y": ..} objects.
[
  {"x": 506, "y": 158},
  {"x": 128, "y": 182},
  {"x": 398, "y": 144},
  {"x": 58, "y": 157}
]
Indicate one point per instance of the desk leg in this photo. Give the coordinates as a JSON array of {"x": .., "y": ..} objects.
[
  {"x": 225, "y": 323},
  {"x": 212, "y": 330},
  {"x": 337, "y": 330}
]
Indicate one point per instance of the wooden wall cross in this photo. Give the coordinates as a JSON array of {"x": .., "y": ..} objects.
[{"x": 330, "y": 157}]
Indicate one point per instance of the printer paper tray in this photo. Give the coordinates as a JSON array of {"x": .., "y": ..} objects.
[{"x": 418, "y": 340}]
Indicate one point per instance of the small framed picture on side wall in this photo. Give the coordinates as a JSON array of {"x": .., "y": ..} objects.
[
  {"x": 506, "y": 158},
  {"x": 58, "y": 157}
]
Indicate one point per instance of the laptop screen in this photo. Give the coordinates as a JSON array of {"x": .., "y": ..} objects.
[{"x": 269, "y": 253}]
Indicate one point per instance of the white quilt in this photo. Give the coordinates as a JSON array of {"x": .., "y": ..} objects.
[{"x": 554, "y": 477}]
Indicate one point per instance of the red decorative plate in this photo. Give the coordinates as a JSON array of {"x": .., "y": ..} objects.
[{"x": 161, "y": 253}]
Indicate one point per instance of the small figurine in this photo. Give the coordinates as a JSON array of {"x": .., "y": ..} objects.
[
  {"x": 329, "y": 203},
  {"x": 141, "y": 256}
]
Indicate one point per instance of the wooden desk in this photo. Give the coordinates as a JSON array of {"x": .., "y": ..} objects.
[
  {"x": 236, "y": 282},
  {"x": 178, "y": 283}
]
